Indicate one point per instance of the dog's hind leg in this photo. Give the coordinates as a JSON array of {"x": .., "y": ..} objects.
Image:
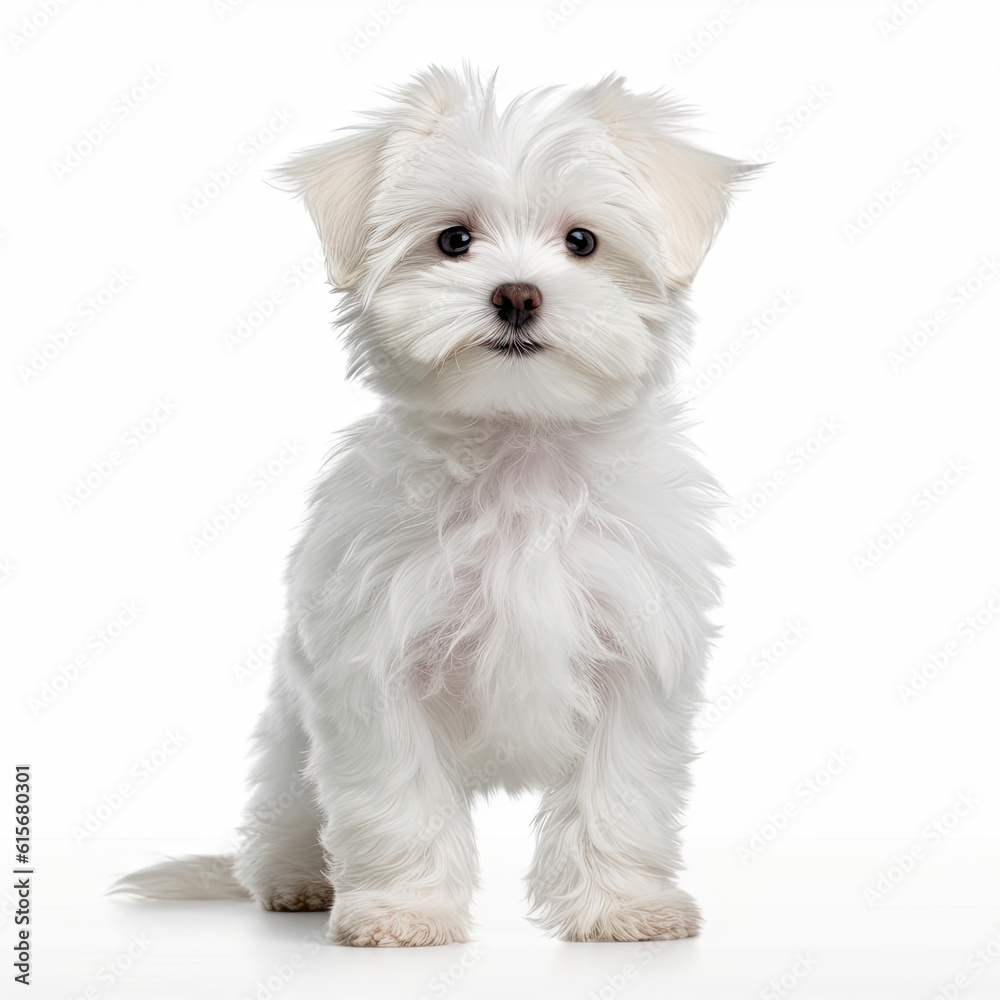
[{"x": 281, "y": 861}]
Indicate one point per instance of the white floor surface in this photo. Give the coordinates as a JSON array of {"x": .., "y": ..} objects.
[{"x": 792, "y": 922}]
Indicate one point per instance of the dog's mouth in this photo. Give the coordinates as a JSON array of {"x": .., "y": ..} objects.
[{"x": 514, "y": 345}]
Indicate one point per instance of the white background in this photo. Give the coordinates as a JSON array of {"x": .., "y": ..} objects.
[{"x": 877, "y": 219}]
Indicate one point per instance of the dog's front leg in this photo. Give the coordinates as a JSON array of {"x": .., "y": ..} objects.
[
  {"x": 399, "y": 832},
  {"x": 608, "y": 848}
]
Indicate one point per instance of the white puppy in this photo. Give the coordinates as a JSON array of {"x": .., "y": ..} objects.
[{"x": 505, "y": 575}]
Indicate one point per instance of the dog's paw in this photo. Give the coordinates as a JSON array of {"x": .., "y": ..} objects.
[
  {"x": 360, "y": 920},
  {"x": 287, "y": 881},
  {"x": 294, "y": 897},
  {"x": 670, "y": 914}
]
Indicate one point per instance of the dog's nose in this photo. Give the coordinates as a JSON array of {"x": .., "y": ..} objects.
[{"x": 516, "y": 303}]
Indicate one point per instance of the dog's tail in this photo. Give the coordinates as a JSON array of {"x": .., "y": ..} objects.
[{"x": 194, "y": 876}]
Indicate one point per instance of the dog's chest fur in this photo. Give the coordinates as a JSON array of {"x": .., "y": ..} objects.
[{"x": 489, "y": 573}]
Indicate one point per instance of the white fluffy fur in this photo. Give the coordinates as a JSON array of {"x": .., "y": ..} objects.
[{"x": 504, "y": 579}]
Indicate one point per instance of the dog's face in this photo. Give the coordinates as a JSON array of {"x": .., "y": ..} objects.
[{"x": 530, "y": 262}]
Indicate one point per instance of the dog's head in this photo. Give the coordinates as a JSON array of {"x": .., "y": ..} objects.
[{"x": 531, "y": 261}]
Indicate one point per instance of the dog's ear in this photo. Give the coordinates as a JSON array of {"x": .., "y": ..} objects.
[
  {"x": 692, "y": 186},
  {"x": 337, "y": 180}
]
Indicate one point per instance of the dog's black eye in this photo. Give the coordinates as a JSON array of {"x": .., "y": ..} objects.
[
  {"x": 581, "y": 242},
  {"x": 455, "y": 241}
]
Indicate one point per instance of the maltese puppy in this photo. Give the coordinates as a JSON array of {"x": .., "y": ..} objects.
[{"x": 504, "y": 579}]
